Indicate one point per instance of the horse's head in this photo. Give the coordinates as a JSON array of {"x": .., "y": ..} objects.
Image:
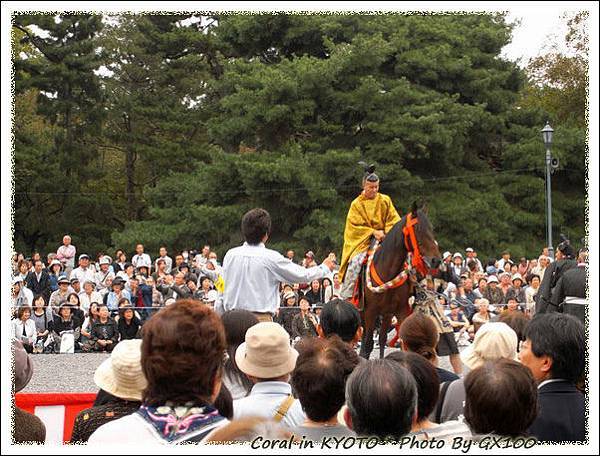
[{"x": 428, "y": 246}]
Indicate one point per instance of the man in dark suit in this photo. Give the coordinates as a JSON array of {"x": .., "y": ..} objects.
[
  {"x": 572, "y": 283},
  {"x": 563, "y": 262},
  {"x": 554, "y": 351},
  {"x": 38, "y": 280}
]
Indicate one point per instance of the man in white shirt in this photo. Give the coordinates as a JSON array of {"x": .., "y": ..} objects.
[
  {"x": 84, "y": 272},
  {"x": 66, "y": 254},
  {"x": 141, "y": 258},
  {"x": 252, "y": 273},
  {"x": 162, "y": 252},
  {"x": 267, "y": 360}
]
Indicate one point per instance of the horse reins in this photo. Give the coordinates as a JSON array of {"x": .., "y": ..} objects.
[{"x": 417, "y": 262}]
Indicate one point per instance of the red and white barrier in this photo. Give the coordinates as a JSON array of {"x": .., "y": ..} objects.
[{"x": 57, "y": 410}]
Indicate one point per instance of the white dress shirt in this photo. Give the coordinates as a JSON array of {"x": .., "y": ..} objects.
[
  {"x": 83, "y": 275},
  {"x": 252, "y": 274},
  {"x": 141, "y": 260},
  {"x": 264, "y": 400}
]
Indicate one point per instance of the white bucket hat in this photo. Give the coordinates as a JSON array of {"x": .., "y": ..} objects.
[
  {"x": 493, "y": 341},
  {"x": 121, "y": 375},
  {"x": 267, "y": 352}
]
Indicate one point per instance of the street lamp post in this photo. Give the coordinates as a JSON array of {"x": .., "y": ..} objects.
[{"x": 547, "y": 137}]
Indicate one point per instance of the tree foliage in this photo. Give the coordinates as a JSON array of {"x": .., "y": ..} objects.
[{"x": 204, "y": 118}]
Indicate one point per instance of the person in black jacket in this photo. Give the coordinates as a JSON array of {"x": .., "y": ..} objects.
[
  {"x": 104, "y": 331},
  {"x": 564, "y": 261},
  {"x": 572, "y": 283},
  {"x": 38, "y": 281},
  {"x": 554, "y": 351},
  {"x": 129, "y": 325},
  {"x": 66, "y": 320},
  {"x": 316, "y": 293}
]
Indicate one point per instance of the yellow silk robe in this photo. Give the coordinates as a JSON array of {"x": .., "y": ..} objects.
[{"x": 364, "y": 217}]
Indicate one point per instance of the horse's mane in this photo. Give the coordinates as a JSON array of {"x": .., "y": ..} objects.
[{"x": 395, "y": 237}]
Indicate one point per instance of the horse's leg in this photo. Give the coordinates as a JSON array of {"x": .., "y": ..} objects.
[
  {"x": 366, "y": 347},
  {"x": 386, "y": 321}
]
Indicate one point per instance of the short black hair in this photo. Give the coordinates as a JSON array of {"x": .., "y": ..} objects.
[
  {"x": 562, "y": 338},
  {"x": 501, "y": 398},
  {"x": 255, "y": 224},
  {"x": 382, "y": 399},
  {"x": 320, "y": 375},
  {"x": 340, "y": 317},
  {"x": 427, "y": 378}
]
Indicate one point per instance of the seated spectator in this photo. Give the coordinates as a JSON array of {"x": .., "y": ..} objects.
[
  {"x": 493, "y": 341},
  {"x": 54, "y": 272},
  {"x": 319, "y": 379},
  {"x": 285, "y": 314},
  {"x": 42, "y": 317},
  {"x": 381, "y": 397},
  {"x": 129, "y": 325},
  {"x": 182, "y": 355},
  {"x": 418, "y": 334},
  {"x": 86, "y": 327},
  {"x": 73, "y": 299},
  {"x": 60, "y": 295},
  {"x": 89, "y": 296},
  {"x": 327, "y": 290},
  {"x": 66, "y": 320},
  {"x": 511, "y": 306},
  {"x": 236, "y": 323},
  {"x": 554, "y": 351},
  {"x": 119, "y": 377},
  {"x": 428, "y": 390},
  {"x": 118, "y": 292},
  {"x": 267, "y": 359},
  {"x": 75, "y": 285},
  {"x": 500, "y": 400},
  {"x": 516, "y": 291},
  {"x": 315, "y": 293},
  {"x": 104, "y": 334},
  {"x": 305, "y": 323},
  {"x": 157, "y": 297},
  {"x": 505, "y": 285},
  {"x": 492, "y": 293},
  {"x": 24, "y": 329},
  {"x": 342, "y": 319},
  {"x": 141, "y": 296},
  {"x": 481, "y": 287},
  {"x": 104, "y": 277},
  {"x": 483, "y": 315},
  {"x": 531, "y": 292},
  {"x": 458, "y": 319},
  {"x": 26, "y": 427}
]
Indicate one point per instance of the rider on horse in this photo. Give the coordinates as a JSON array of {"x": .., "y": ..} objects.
[{"x": 371, "y": 216}]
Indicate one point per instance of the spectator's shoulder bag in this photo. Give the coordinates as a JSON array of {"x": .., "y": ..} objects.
[{"x": 283, "y": 408}]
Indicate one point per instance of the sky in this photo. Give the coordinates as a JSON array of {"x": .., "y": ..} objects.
[{"x": 536, "y": 29}]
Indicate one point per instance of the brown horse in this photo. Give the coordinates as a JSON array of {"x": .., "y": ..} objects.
[{"x": 389, "y": 261}]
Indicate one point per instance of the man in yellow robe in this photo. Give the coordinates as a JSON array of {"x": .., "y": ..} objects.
[{"x": 371, "y": 216}]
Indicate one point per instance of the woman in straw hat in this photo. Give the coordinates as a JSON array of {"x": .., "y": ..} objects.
[{"x": 121, "y": 382}]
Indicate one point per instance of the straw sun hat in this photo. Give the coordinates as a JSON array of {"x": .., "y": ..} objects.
[
  {"x": 121, "y": 375},
  {"x": 267, "y": 352}
]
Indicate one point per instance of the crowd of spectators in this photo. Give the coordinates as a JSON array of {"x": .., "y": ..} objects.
[
  {"x": 105, "y": 301},
  {"x": 194, "y": 378},
  {"x": 178, "y": 357}
]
